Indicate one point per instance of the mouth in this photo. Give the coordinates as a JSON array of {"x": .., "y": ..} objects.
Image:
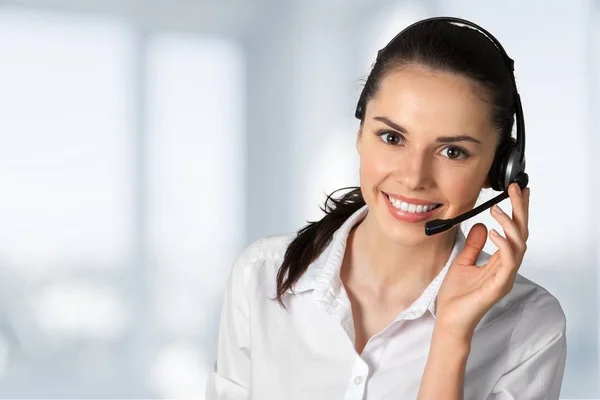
[{"x": 410, "y": 211}]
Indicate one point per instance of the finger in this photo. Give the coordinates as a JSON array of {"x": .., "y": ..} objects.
[
  {"x": 520, "y": 209},
  {"x": 513, "y": 235},
  {"x": 507, "y": 265},
  {"x": 473, "y": 245}
]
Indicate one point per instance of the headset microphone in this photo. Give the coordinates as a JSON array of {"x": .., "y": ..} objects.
[{"x": 441, "y": 225}]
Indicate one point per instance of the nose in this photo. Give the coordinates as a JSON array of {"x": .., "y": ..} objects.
[{"x": 414, "y": 170}]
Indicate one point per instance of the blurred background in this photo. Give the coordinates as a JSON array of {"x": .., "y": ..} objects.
[{"x": 144, "y": 144}]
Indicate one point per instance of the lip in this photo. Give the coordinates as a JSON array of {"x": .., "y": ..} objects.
[{"x": 405, "y": 216}]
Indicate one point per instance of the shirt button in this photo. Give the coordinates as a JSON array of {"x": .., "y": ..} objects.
[{"x": 358, "y": 380}]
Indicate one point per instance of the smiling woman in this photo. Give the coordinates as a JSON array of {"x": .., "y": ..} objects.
[{"x": 362, "y": 304}]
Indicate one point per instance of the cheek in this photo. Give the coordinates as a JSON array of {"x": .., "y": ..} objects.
[
  {"x": 461, "y": 188},
  {"x": 375, "y": 167}
]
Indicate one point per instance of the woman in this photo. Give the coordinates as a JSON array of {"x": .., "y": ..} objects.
[{"x": 362, "y": 304}]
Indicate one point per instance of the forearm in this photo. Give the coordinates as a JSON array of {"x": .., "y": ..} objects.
[{"x": 445, "y": 369}]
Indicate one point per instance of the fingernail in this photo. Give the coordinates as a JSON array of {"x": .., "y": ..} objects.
[
  {"x": 494, "y": 232},
  {"x": 496, "y": 209},
  {"x": 519, "y": 190}
]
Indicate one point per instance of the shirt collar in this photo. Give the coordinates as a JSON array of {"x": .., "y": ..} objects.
[{"x": 323, "y": 274}]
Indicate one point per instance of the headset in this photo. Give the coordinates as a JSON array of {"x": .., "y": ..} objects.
[{"x": 509, "y": 161}]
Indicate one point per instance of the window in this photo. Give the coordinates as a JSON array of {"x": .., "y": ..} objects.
[{"x": 196, "y": 195}]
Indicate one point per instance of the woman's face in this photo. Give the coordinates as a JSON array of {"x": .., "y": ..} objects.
[{"x": 427, "y": 139}]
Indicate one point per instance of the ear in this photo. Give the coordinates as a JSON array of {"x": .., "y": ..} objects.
[{"x": 359, "y": 140}]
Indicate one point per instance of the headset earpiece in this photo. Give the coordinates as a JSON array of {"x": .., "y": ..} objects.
[
  {"x": 506, "y": 166},
  {"x": 498, "y": 168}
]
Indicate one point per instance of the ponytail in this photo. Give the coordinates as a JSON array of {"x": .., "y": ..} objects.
[{"x": 314, "y": 238}]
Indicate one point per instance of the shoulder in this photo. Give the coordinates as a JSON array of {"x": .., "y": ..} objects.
[
  {"x": 270, "y": 248},
  {"x": 535, "y": 314},
  {"x": 542, "y": 318},
  {"x": 260, "y": 257},
  {"x": 536, "y": 326},
  {"x": 529, "y": 297}
]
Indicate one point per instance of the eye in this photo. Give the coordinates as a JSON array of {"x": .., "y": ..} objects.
[
  {"x": 391, "y": 137},
  {"x": 455, "y": 153}
]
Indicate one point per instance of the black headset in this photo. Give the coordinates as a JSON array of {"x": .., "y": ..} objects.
[{"x": 509, "y": 161}]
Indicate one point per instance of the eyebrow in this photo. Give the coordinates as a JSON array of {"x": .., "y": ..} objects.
[{"x": 441, "y": 139}]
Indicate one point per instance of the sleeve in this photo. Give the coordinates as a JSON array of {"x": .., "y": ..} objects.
[
  {"x": 538, "y": 352},
  {"x": 230, "y": 375}
]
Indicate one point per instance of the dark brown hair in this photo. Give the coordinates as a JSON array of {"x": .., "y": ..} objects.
[{"x": 437, "y": 45}]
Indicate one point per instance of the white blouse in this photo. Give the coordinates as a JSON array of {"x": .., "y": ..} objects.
[{"x": 307, "y": 352}]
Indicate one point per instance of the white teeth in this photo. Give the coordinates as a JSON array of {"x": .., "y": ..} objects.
[{"x": 411, "y": 208}]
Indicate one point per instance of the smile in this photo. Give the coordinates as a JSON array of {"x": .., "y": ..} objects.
[
  {"x": 410, "y": 211},
  {"x": 411, "y": 208}
]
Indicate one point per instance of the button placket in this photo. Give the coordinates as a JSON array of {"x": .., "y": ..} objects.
[{"x": 358, "y": 379}]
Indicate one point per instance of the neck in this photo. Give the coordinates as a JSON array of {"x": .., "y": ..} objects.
[{"x": 385, "y": 267}]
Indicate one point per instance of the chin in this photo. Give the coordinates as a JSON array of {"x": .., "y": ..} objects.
[{"x": 403, "y": 234}]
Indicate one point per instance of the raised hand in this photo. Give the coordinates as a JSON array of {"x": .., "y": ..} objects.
[{"x": 469, "y": 291}]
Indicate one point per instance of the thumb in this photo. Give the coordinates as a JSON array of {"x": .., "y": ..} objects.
[{"x": 473, "y": 245}]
